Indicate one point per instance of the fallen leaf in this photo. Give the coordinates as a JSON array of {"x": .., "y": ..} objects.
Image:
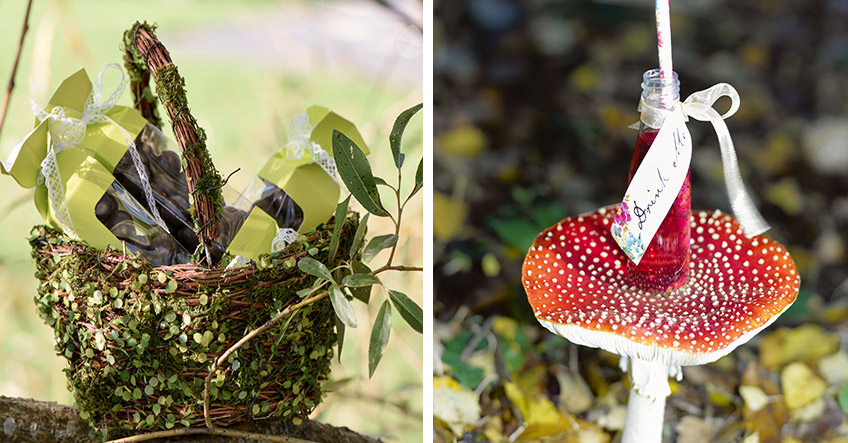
[
  {"x": 768, "y": 421},
  {"x": 540, "y": 416},
  {"x": 800, "y": 386},
  {"x": 693, "y": 429},
  {"x": 448, "y": 216},
  {"x": 574, "y": 394},
  {"x": 754, "y": 397},
  {"x": 834, "y": 368},
  {"x": 804, "y": 343},
  {"x": 752, "y": 438},
  {"x": 454, "y": 404},
  {"x": 464, "y": 140},
  {"x": 718, "y": 395},
  {"x": 614, "y": 418},
  {"x": 808, "y": 413}
]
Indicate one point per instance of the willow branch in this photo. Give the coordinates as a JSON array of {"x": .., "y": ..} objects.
[{"x": 15, "y": 66}]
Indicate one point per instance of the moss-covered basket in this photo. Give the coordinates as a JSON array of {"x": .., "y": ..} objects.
[{"x": 140, "y": 340}]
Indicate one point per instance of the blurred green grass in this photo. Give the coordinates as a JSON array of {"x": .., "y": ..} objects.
[{"x": 245, "y": 106}]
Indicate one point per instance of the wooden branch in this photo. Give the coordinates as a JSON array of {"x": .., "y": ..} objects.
[
  {"x": 11, "y": 85},
  {"x": 30, "y": 421}
]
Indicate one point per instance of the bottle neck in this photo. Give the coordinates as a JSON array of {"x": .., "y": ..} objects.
[{"x": 658, "y": 95}]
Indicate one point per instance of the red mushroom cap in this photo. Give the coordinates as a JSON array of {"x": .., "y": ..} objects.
[{"x": 576, "y": 280}]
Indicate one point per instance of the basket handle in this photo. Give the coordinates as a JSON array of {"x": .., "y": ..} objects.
[{"x": 144, "y": 53}]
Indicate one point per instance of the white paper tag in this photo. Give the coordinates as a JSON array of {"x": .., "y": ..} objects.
[{"x": 654, "y": 187}]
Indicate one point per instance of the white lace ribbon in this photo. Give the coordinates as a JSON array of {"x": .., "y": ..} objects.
[
  {"x": 699, "y": 106},
  {"x": 284, "y": 237},
  {"x": 299, "y": 133},
  {"x": 68, "y": 132}
]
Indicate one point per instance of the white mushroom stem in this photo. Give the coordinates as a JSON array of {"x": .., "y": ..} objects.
[{"x": 646, "y": 405}]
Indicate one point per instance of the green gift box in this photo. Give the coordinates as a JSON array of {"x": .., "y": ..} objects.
[
  {"x": 86, "y": 181},
  {"x": 307, "y": 183},
  {"x": 104, "y": 139}
]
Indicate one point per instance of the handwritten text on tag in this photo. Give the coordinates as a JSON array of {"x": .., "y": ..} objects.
[{"x": 654, "y": 187}]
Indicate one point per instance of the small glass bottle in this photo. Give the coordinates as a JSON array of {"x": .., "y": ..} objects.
[{"x": 665, "y": 264}]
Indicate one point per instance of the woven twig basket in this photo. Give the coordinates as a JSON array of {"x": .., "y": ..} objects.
[{"x": 140, "y": 340}]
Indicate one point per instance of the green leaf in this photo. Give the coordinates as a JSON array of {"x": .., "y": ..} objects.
[
  {"x": 344, "y": 311},
  {"x": 379, "y": 337},
  {"x": 377, "y": 244},
  {"x": 361, "y": 294},
  {"x": 314, "y": 267},
  {"x": 306, "y": 291},
  {"x": 357, "y": 236},
  {"x": 408, "y": 309},
  {"x": 419, "y": 178},
  {"x": 380, "y": 181},
  {"x": 397, "y": 132},
  {"x": 356, "y": 174},
  {"x": 341, "y": 213},
  {"x": 842, "y": 397},
  {"x": 360, "y": 280},
  {"x": 340, "y": 332}
]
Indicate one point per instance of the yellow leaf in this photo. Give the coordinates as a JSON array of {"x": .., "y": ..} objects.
[
  {"x": 490, "y": 264},
  {"x": 834, "y": 368},
  {"x": 585, "y": 78},
  {"x": 809, "y": 413},
  {"x": 464, "y": 140},
  {"x": 541, "y": 416},
  {"x": 807, "y": 342},
  {"x": 693, "y": 429},
  {"x": 575, "y": 395},
  {"x": 800, "y": 386},
  {"x": 754, "y": 397},
  {"x": 786, "y": 194},
  {"x": 505, "y": 327},
  {"x": 718, "y": 396},
  {"x": 454, "y": 405},
  {"x": 448, "y": 216}
]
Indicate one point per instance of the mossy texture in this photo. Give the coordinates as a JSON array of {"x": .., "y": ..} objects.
[{"x": 139, "y": 340}]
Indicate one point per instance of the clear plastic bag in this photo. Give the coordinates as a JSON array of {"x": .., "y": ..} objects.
[
  {"x": 275, "y": 202},
  {"x": 131, "y": 223},
  {"x": 167, "y": 181}
]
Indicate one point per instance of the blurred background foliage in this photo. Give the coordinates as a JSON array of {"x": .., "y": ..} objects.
[
  {"x": 532, "y": 100},
  {"x": 250, "y": 68}
]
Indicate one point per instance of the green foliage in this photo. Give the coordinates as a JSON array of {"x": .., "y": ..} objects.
[
  {"x": 843, "y": 398},
  {"x": 356, "y": 173},
  {"x": 410, "y": 311},
  {"x": 341, "y": 211},
  {"x": 397, "y": 132},
  {"x": 377, "y": 244},
  {"x": 379, "y": 337},
  {"x": 343, "y": 308}
]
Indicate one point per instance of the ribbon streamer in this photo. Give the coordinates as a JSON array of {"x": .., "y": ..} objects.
[
  {"x": 284, "y": 237},
  {"x": 699, "y": 106},
  {"x": 68, "y": 132},
  {"x": 299, "y": 133}
]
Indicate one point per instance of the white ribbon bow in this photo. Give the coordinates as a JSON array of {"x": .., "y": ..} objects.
[
  {"x": 299, "y": 133},
  {"x": 699, "y": 106},
  {"x": 284, "y": 237},
  {"x": 68, "y": 132}
]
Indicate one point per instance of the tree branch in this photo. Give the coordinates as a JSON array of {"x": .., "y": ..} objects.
[
  {"x": 30, "y": 421},
  {"x": 15, "y": 67}
]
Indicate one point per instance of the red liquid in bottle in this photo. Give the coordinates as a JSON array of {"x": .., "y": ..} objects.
[{"x": 665, "y": 265}]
